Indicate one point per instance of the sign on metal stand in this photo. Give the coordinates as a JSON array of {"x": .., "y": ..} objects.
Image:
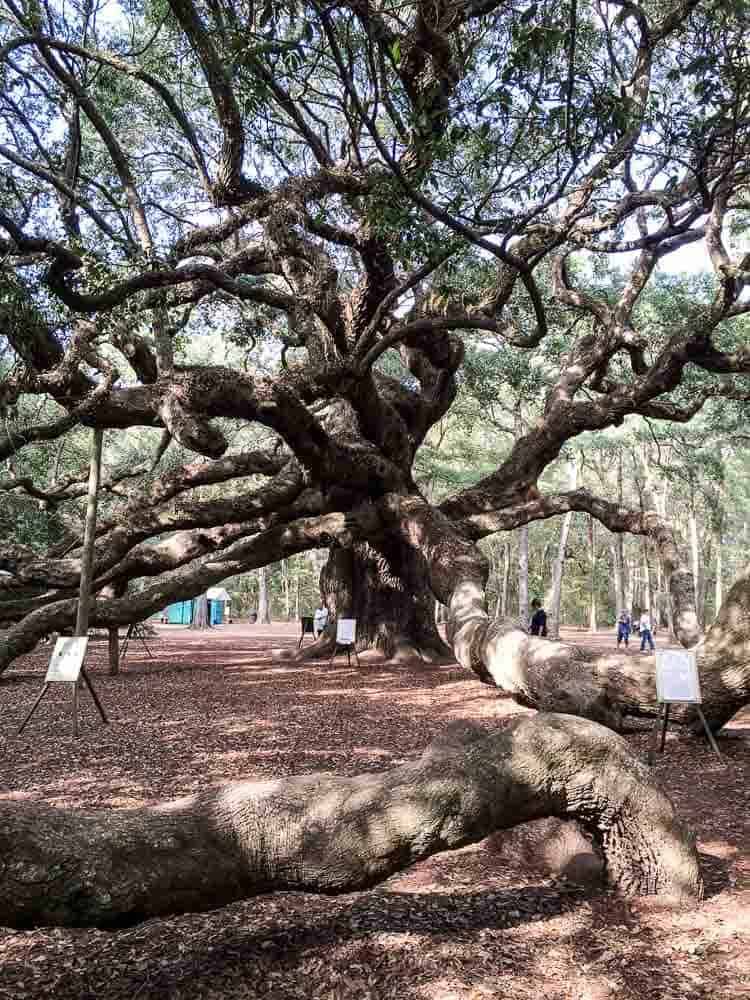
[
  {"x": 346, "y": 640},
  {"x": 136, "y": 630},
  {"x": 677, "y": 682},
  {"x": 66, "y": 664},
  {"x": 66, "y": 667}
]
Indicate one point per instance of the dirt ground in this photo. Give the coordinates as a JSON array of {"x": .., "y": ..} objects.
[{"x": 470, "y": 925}]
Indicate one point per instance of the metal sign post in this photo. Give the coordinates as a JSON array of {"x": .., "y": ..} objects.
[
  {"x": 136, "y": 630},
  {"x": 677, "y": 683}
]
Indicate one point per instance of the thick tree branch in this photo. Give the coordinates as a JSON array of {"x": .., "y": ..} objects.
[{"x": 343, "y": 834}]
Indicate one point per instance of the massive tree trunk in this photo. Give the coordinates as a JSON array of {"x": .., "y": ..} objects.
[
  {"x": 329, "y": 834},
  {"x": 393, "y": 605},
  {"x": 386, "y": 588}
]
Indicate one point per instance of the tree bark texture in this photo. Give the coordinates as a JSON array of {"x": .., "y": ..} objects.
[
  {"x": 327, "y": 834},
  {"x": 201, "y": 618},
  {"x": 523, "y": 575},
  {"x": 264, "y": 610}
]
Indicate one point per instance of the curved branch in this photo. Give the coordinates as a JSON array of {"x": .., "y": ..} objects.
[
  {"x": 213, "y": 278},
  {"x": 146, "y": 521},
  {"x": 116, "y": 62},
  {"x": 113, "y": 868},
  {"x": 231, "y": 186},
  {"x": 13, "y": 441}
]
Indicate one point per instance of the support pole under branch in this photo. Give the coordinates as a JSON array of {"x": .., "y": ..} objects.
[{"x": 89, "y": 535}]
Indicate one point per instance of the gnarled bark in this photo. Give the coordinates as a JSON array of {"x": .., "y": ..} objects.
[
  {"x": 385, "y": 588},
  {"x": 328, "y": 834},
  {"x": 391, "y": 600}
]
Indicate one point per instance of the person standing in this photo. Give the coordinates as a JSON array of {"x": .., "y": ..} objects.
[
  {"x": 320, "y": 619},
  {"x": 624, "y": 624},
  {"x": 645, "y": 627},
  {"x": 538, "y": 625}
]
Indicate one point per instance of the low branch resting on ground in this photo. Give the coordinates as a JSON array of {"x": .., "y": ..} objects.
[{"x": 327, "y": 834}]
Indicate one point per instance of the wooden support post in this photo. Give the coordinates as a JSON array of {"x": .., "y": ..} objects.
[
  {"x": 89, "y": 535},
  {"x": 114, "y": 651},
  {"x": 87, "y": 565}
]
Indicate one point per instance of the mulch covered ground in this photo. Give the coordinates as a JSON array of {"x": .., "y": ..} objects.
[{"x": 474, "y": 924}]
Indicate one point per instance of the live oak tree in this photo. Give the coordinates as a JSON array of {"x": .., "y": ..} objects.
[{"x": 360, "y": 188}]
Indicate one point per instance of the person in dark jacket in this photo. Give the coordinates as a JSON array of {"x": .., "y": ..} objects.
[
  {"x": 538, "y": 624},
  {"x": 624, "y": 625}
]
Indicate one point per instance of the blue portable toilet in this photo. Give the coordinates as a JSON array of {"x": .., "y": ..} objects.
[
  {"x": 180, "y": 613},
  {"x": 218, "y": 598}
]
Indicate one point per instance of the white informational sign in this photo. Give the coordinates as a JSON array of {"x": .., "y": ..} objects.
[
  {"x": 677, "y": 676},
  {"x": 346, "y": 631},
  {"x": 67, "y": 659}
]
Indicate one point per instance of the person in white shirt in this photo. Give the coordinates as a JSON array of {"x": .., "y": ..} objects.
[
  {"x": 320, "y": 620},
  {"x": 645, "y": 628}
]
